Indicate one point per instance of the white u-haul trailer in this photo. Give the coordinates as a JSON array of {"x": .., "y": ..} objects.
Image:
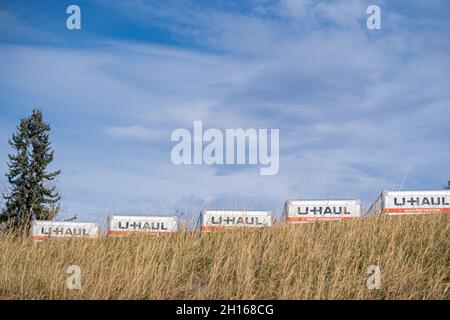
[
  {"x": 411, "y": 202},
  {"x": 41, "y": 230},
  {"x": 303, "y": 211},
  {"x": 210, "y": 220},
  {"x": 127, "y": 225}
]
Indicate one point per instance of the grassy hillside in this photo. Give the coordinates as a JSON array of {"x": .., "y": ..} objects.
[{"x": 326, "y": 260}]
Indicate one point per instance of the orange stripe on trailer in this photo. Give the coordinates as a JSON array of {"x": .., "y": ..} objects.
[
  {"x": 308, "y": 219},
  {"x": 127, "y": 233},
  {"x": 211, "y": 228},
  {"x": 42, "y": 238},
  {"x": 118, "y": 233},
  {"x": 416, "y": 210}
]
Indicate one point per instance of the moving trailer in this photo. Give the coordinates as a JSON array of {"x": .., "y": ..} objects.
[
  {"x": 411, "y": 202},
  {"x": 302, "y": 211},
  {"x": 223, "y": 219},
  {"x": 63, "y": 229},
  {"x": 126, "y": 225}
]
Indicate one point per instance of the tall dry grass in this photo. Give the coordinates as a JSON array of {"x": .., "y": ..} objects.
[{"x": 326, "y": 260}]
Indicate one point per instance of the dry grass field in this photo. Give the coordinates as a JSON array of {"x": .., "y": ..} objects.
[{"x": 326, "y": 260}]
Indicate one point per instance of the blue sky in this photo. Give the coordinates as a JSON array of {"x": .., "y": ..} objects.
[{"x": 358, "y": 110}]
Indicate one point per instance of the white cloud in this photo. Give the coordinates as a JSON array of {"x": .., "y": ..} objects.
[
  {"x": 138, "y": 133},
  {"x": 296, "y": 8}
]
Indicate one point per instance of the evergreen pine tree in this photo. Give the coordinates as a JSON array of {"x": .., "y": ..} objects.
[
  {"x": 448, "y": 185},
  {"x": 30, "y": 195}
]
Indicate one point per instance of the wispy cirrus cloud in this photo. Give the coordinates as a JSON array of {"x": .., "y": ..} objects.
[{"x": 137, "y": 133}]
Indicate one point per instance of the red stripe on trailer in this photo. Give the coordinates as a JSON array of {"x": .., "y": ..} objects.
[
  {"x": 42, "y": 238},
  {"x": 118, "y": 233},
  {"x": 310, "y": 219},
  {"x": 415, "y": 210},
  {"x": 211, "y": 228}
]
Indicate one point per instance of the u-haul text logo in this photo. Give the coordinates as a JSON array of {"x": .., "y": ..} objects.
[
  {"x": 64, "y": 231},
  {"x": 254, "y": 221},
  {"x": 320, "y": 210},
  {"x": 421, "y": 201},
  {"x": 142, "y": 226}
]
